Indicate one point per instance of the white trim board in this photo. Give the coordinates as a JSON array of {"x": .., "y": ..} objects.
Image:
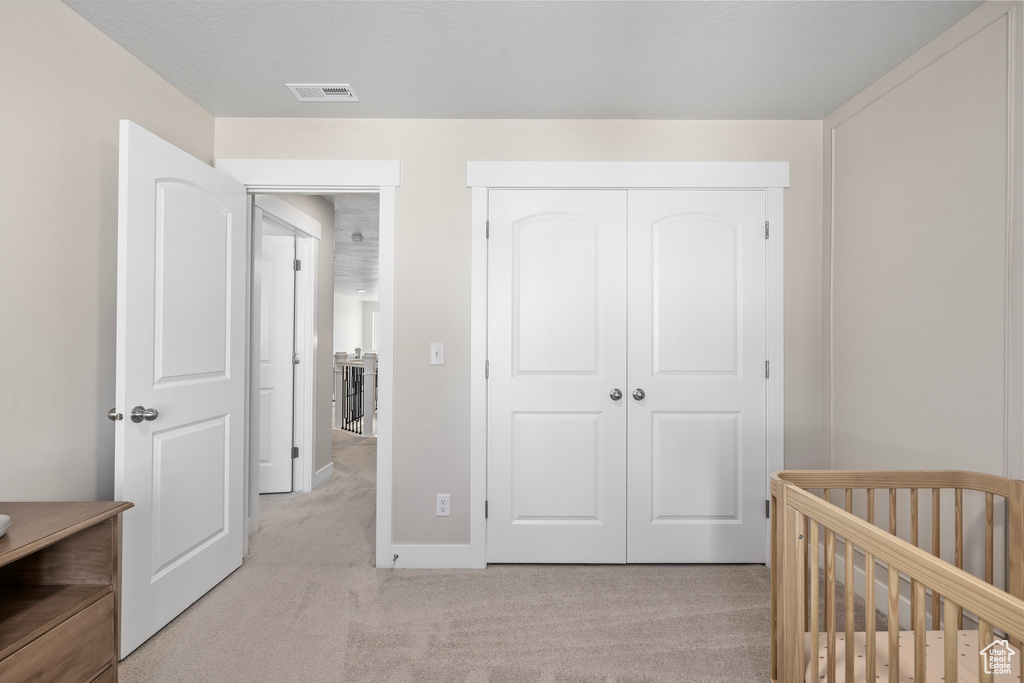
[
  {"x": 431, "y": 557},
  {"x": 317, "y": 176},
  {"x": 323, "y": 474},
  {"x": 482, "y": 176},
  {"x": 629, "y": 174}
]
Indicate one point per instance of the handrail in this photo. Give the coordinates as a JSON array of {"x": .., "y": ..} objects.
[
  {"x": 898, "y": 479},
  {"x": 989, "y": 603}
]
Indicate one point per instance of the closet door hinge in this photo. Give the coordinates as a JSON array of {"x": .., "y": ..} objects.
[
  {"x": 297, "y": 265},
  {"x": 768, "y": 508},
  {"x": 767, "y": 373},
  {"x": 487, "y": 369},
  {"x": 766, "y": 229},
  {"x": 487, "y": 233},
  {"x": 295, "y": 452},
  {"x": 485, "y": 509}
]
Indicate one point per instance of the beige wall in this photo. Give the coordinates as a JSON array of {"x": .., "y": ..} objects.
[
  {"x": 322, "y": 210},
  {"x": 65, "y": 87},
  {"x": 431, "y": 431},
  {"x": 925, "y": 251}
]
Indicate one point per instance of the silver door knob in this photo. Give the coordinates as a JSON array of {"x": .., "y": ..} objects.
[
  {"x": 615, "y": 394},
  {"x": 139, "y": 414},
  {"x": 639, "y": 394},
  {"x": 113, "y": 415}
]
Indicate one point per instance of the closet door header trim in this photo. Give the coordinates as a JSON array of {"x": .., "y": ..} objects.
[{"x": 628, "y": 175}]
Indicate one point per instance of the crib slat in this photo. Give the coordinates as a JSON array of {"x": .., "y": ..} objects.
[
  {"x": 869, "y": 613},
  {"x": 936, "y": 548},
  {"x": 918, "y": 616},
  {"x": 807, "y": 552},
  {"x": 984, "y": 638},
  {"x": 869, "y": 599},
  {"x": 793, "y": 656},
  {"x": 812, "y": 580},
  {"x": 830, "y": 603},
  {"x": 989, "y": 545},
  {"x": 952, "y": 668},
  {"x": 848, "y": 592},
  {"x": 913, "y": 541},
  {"x": 959, "y": 511},
  {"x": 894, "y": 623},
  {"x": 913, "y": 517},
  {"x": 892, "y": 511}
]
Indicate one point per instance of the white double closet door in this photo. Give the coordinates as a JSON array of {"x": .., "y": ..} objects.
[{"x": 659, "y": 295}]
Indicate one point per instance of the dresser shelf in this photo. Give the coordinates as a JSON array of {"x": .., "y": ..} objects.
[{"x": 59, "y": 591}]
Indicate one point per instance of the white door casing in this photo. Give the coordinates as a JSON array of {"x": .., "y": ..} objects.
[
  {"x": 181, "y": 298},
  {"x": 697, "y": 349},
  {"x": 556, "y": 467},
  {"x": 277, "y": 344}
]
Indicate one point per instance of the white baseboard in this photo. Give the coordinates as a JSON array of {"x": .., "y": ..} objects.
[
  {"x": 322, "y": 475},
  {"x": 430, "y": 557}
]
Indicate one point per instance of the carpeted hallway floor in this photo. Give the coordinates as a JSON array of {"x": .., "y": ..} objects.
[{"x": 308, "y": 605}]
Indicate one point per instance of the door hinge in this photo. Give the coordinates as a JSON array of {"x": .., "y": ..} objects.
[
  {"x": 768, "y": 508},
  {"x": 766, "y": 229},
  {"x": 767, "y": 372},
  {"x": 295, "y": 452},
  {"x": 487, "y": 369},
  {"x": 485, "y": 509},
  {"x": 487, "y": 233},
  {"x": 295, "y": 358},
  {"x": 298, "y": 264}
]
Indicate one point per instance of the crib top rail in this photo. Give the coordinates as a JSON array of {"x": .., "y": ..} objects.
[
  {"x": 989, "y": 603},
  {"x": 902, "y": 479}
]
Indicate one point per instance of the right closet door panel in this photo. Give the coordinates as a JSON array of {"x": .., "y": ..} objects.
[{"x": 696, "y": 465}]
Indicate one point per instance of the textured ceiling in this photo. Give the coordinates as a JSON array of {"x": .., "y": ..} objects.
[
  {"x": 357, "y": 264},
  {"x": 507, "y": 59}
]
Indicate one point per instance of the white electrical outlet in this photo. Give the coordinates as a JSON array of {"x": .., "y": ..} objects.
[{"x": 444, "y": 505}]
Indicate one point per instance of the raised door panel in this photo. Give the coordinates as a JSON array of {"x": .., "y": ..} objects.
[{"x": 190, "y": 284}]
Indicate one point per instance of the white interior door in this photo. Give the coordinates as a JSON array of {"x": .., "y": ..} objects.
[
  {"x": 557, "y": 334},
  {"x": 697, "y": 440},
  {"x": 277, "y": 337},
  {"x": 181, "y": 303}
]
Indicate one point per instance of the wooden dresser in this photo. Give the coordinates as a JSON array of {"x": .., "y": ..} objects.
[{"x": 59, "y": 592}]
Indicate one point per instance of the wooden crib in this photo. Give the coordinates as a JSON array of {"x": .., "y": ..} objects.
[{"x": 806, "y": 529}]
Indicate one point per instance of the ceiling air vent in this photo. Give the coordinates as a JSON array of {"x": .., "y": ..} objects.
[{"x": 319, "y": 92}]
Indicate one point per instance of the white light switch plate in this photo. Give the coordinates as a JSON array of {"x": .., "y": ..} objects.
[{"x": 436, "y": 353}]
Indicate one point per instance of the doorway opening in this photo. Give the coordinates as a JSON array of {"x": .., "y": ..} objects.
[
  {"x": 285, "y": 177},
  {"x": 356, "y": 311}
]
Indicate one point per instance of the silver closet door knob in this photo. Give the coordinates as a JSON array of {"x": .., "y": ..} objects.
[
  {"x": 114, "y": 416},
  {"x": 139, "y": 414},
  {"x": 639, "y": 394},
  {"x": 615, "y": 394}
]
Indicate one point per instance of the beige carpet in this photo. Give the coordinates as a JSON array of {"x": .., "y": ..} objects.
[{"x": 308, "y": 605}]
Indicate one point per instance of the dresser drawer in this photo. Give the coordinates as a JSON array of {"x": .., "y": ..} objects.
[{"x": 74, "y": 651}]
